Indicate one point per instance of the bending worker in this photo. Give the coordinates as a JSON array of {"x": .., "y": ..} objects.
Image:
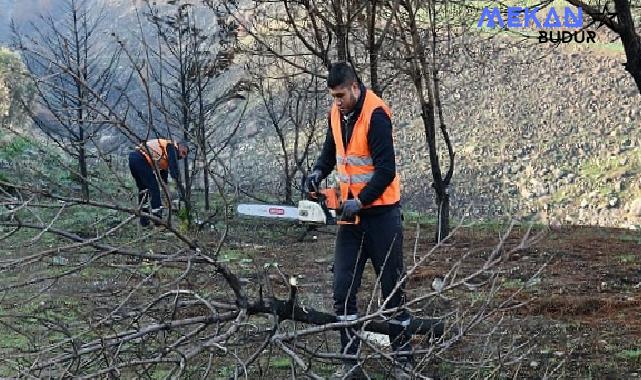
[
  {"x": 359, "y": 143},
  {"x": 165, "y": 154}
]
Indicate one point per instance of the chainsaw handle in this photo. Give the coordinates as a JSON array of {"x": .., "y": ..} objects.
[
  {"x": 329, "y": 200},
  {"x": 309, "y": 189},
  {"x": 312, "y": 196}
]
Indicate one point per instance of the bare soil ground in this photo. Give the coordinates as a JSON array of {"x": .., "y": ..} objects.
[
  {"x": 581, "y": 315},
  {"x": 570, "y": 304}
]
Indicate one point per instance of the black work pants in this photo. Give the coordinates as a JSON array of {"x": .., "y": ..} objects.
[
  {"x": 378, "y": 238},
  {"x": 147, "y": 184}
]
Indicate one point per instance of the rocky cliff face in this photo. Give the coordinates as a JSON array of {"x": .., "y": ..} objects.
[{"x": 539, "y": 132}]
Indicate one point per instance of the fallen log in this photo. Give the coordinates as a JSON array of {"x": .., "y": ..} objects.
[{"x": 286, "y": 310}]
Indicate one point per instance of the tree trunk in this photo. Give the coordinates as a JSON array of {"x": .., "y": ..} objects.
[
  {"x": 82, "y": 157},
  {"x": 443, "y": 215},
  {"x": 288, "y": 189},
  {"x": 203, "y": 138},
  {"x": 82, "y": 161},
  {"x": 206, "y": 184},
  {"x": 373, "y": 71},
  {"x": 341, "y": 32},
  {"x": 201, "y": 121},
  {"x": 422, "y": 71},
  {"x": 373, "y": 51},
  {"x": 630, "y": 39},
  {"x": 442, "y": 199},
  {"x": 187, "y": 185}
]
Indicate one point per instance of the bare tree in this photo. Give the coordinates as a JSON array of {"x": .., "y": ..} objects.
[
  {"x": 419, "y": 36},
  {"x": 192, "y": 56},
  {"x": 291, "y": 108},
  {"x": 64, "y": 106}
]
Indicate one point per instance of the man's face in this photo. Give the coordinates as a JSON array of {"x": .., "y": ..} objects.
[{"x": 345, "y": 96}]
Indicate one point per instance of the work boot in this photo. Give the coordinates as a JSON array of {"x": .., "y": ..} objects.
[
  {"x": 144, "y": 221},
  {"x": 348, "y": 371},
  {"x": 403, "y": 371},
  {"x": 158, "y": 214}
]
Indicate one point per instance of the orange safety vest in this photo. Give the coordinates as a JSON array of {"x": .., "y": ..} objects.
[
  {"x": 355, "y": 166},
  {"x": 158, "y": 150}
]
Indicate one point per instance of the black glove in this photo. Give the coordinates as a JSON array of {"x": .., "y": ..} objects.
[
  {"x": 314, "y": 180},
  {"x": 350, "y": 208}
]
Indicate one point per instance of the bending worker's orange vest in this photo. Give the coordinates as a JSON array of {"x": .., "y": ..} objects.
[
  {"x": 158, "y": 150},
  {"x": 355, "y": 166}
]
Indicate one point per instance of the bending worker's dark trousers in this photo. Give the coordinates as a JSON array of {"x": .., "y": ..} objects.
[
  {"x": 145, "y": 179},
  {"x": 380, "y": 239}
]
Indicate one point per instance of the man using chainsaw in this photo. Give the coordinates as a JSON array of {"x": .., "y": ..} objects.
[
  {"x": 359, "y": 144},
  {"x": 164, "y": 154}
]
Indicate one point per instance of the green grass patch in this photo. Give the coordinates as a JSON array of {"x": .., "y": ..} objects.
[
  {"x": 602, "y": 175},
  {"x": 326, "y": 369},
  {"x": 15, "y": 148},
  {"x": 513, "y": 283},
  {"x": 160, "y": 373},
  {"x": 85, "y": 221},
  {"x": 225, "y": 372},
  {"x": 423, "y": 219},
  {"x": 147, "y": 268},
  {"x": 559, "y": 196},
  {"x": 282, "y": 363},
  {"x": 229, "y": 255},
  {"x": 99, "y": 271},
  {"x": 633, "y": 355},
  {"x": 631, "y": 237},
  {"x": 11, "y": 340},
  {"x": 491, "y": 226},
  {"x": 500, "y": 225},
  {"x": 26, "y": 324},
  {"x": 601, "y": 168},
  {"x": 627, "y": 258}
]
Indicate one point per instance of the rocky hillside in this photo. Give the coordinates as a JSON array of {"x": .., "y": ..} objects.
[
  {"x": 547, "y": 132},
  {"x": 540, "y": 132}
]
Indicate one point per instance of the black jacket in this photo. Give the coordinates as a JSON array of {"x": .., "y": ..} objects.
[
  {"x": 381, "y": 146},
  {"x": 172, "y": 159}
]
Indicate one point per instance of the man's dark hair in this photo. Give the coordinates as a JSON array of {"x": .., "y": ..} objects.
[{"x": 341, "y": 74}]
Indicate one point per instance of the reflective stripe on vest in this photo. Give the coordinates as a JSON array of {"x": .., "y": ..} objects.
[
  {"x": 354, "y": 162},
  {"x": 355, "y": 178}
]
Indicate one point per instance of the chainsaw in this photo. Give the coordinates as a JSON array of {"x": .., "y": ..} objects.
[{"x": 320, "y": 207}]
